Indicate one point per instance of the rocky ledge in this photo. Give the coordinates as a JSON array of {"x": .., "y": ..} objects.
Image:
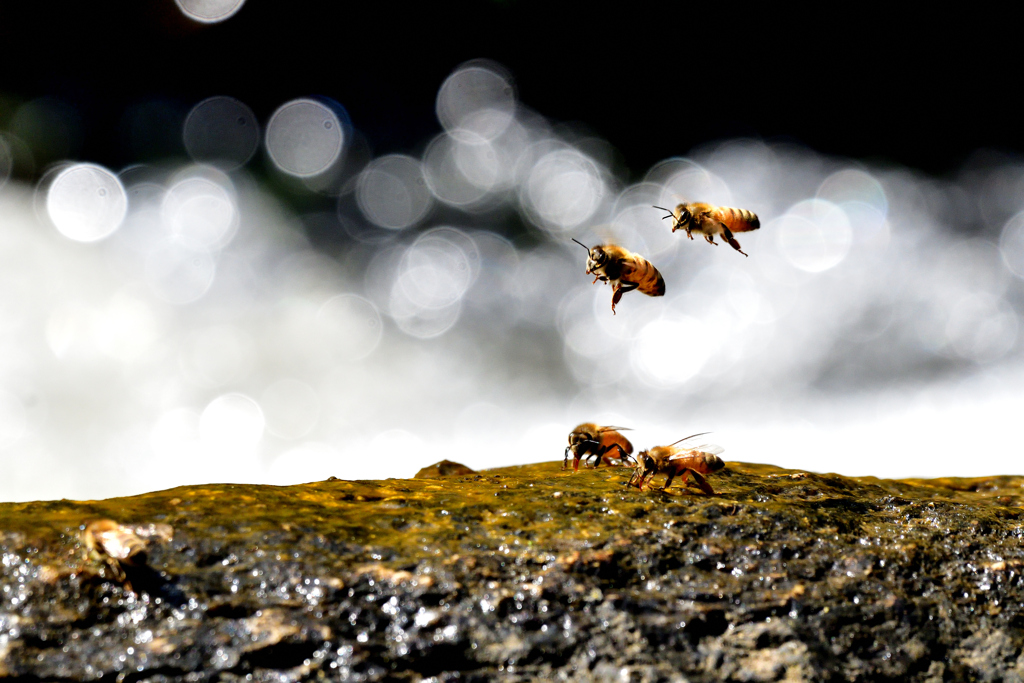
[{"x": 521, "y": 574}]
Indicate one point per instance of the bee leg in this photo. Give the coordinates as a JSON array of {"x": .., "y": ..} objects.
[
  {"x": 727, "y": 236},
  {"x": 623, "y": 455},
  {"x": 668, "y": 482},
  {"x": 689, "y": 231},
  {"x": 710, "y": 238},
  {"x": 621, "y": 288},
  {"x": 703, "y": 484},
  {"x": 588, "y": 449}
]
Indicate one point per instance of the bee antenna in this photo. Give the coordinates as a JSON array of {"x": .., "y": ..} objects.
[
  {"x": 670, "y": 214},
  {"x": 688, "y": 437},
  {"x": 580, "y": 243}
]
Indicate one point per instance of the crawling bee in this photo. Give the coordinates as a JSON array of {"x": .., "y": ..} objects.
[
  {"x": 712, "y": 220},
  {"x": 590, "y": 440},
  {"x": 625, "y": 271},
  {"x": 673, "y": 460}
]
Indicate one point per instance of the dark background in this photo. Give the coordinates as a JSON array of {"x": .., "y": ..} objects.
[{"x": 654, "y": 80}]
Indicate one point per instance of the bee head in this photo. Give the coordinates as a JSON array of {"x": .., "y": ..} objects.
[
  {"x": 597, "y": 254},
  {"x": 598, "y": 259},
  {"x": 678, "y": 222},
  {"x": 683, "y": 219},
  {"x": 644, "y": 463},
  {"x": 574, "y": 440}
]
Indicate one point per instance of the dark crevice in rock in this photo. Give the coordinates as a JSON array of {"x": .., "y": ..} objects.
[{"x": 285, "y": 655}]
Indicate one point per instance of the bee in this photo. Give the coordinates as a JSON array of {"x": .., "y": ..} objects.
[
  {"x": 625, "y": 271},
  {"x": 673, "y": 460},
  {"x": 712, "y": 220},
  {"x": 120, "y": 548},
  {"x": 591, "y": 440}
]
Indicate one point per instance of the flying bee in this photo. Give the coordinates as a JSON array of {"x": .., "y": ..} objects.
[
  {"x": 624, "y": 270},
  {"x": 591, "y": 440},
  {"x": 711, "y": 220},
  {"x": 673, "y": 460}
]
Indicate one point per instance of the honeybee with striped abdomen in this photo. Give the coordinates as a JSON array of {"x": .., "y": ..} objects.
[
  {"x": 711, "y": 220},
  {"x": 589, "y": 439},
  {"x": 676, "y": 459},
  {"x": 624, "y": 270}
]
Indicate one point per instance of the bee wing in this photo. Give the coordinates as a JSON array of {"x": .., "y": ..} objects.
[
  {"x": 685, "y": 439},
  {"x": 709, "y": 448},
  {"x": 602, "y": 430},
  {"x": 606, "y": 233}
]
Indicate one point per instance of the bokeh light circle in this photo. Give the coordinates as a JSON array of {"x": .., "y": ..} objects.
[
  {"x": 563, "y": 190},
  {"x": 304, "y": 137},
  {"x": 670, "y": 351},
  {"x": 291, "y": 408},
  {"x": 351, "y": 326},
  {"x": 482, "y": 163},
  {"x": 392, "y": 192},
  {"x": 854, "y": 185},
  {"x": 421, "y": 322},
  {"x": 445, "y": 178},
  {"x": 683, "y": 180},
  {"x": 1011, "y": 244},
  {"x": 221, "y": 131},
  {"x": 476, "y": 100},
  {"x": 209, "y": 11},
  {"x": 982, "y": 328},
  {"x": 435, "y": 271},
  {"x": 232, "y": 423},
  {"x": 636, "y": 222},
  {"x": 179, "y": 273},
  {"x": 814, "y": 235},
  {"x": 86, "y": 202},
  {"x": 200, "y": 211}
]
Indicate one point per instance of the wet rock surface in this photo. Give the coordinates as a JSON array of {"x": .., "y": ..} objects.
[{"x": 526, "y": 573}]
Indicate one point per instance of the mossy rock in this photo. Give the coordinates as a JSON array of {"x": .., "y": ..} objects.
[{"x": 525, "y": 573}]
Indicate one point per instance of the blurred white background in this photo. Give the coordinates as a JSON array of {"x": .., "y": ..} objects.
[{"x": 170, "y": 325}]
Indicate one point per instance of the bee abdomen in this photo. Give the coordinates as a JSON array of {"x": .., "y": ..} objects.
[
  {"x": 740, "y": 220},
  {"x": 713, "y": 463},
  {"x": 651, "y": 281},
  {"x": 659, "y": 286}
]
